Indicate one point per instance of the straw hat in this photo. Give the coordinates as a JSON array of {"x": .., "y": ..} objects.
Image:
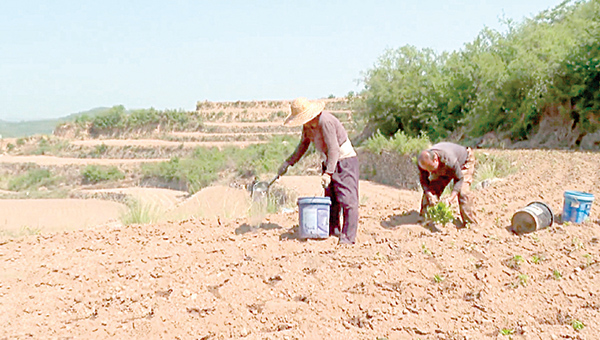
[{"x": 303, "y": 111}]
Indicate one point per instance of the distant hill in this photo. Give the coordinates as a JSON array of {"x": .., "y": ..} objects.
[{"x": 45, "y": 126}]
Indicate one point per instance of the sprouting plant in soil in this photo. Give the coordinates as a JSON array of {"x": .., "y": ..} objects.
[
  {"x": 440, "y": 213},
  {"x": 556, "y": 274},
  {"x": 506, "y": 331},
  {"x": 514, "y": 262},
  {"x": 577, "y": 244},
  {"x": 536, "y": 259},
  {"x": 589, "y": 260},
  {"x": 523, "y": 279},
  {"x": 438, "y": 278},
  {"x": 577, "y": 325},
  {"x": 425, "y": 250}
]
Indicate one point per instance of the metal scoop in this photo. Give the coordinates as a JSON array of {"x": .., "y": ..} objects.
[{"x": 261, "y": 188}]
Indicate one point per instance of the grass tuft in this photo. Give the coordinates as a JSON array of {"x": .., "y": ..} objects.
[{"x": 140, "y": 213}]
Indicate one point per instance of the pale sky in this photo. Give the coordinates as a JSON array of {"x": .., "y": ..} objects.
[{"x": 62, "y": 57}]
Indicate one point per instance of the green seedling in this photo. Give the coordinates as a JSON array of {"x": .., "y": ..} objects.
[
  {"x": 535, "y": 238},
  {"x": 498, "y": 221},
  {"x": 589, "y": 259},
  {"x": 425, "y": 250},
  {"x": 523, "y": 279},
  {"x": 577, "y": 325},
  {"x": 518, "y": 259},
  {"x": 536, "y": 259},
  {"x": 557, "y": 275},
  {"x": 577, "y": 244},
  {"x": 440, "y": 213},
  {"x": 506, "y": 331},
  {"x": 514, "y": 262},
  {"x": 438, "y": 278}
]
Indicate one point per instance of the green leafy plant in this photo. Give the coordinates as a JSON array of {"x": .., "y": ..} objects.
[
  {"x": 577, "y": 325},
  {"x": 440, "y": 213},
  {"x": 437, "y": 278},
  {"x": 507, "y": 331}
]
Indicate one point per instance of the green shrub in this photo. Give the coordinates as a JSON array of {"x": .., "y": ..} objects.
[
  {"x": 96, "y": 173},
  {"x": 400, "y": 143},
  {"x": 50, "y": 147},
  {"x": 31, "y": 180},
  {"x": 502, "y": 81}
]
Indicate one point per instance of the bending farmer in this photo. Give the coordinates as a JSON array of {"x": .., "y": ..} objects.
[
  {"x": 439, "y": 165},
  {"x": 340, "y": 168}
]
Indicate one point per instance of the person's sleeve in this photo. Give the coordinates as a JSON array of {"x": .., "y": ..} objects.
[
  {"x": 460, "y": 178},
  {"x": 424, "y": 178},
  {"x": 300, "y": 150},
  {"x": 333, "y": 147}
]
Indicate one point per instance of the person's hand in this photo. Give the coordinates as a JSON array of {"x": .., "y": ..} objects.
[
  {"x": 283, "y": 169},
  {"x": 325, "y": 180},
  {"x": 431, "y": 198},
  {"x": 450, "y": 199}
]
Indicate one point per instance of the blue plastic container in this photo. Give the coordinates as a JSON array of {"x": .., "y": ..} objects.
[
  {"x": 314, "y": 217},
  {"x": 577, "y": 206}
]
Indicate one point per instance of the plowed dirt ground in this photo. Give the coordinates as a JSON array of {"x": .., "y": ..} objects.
[{"x": 226, "y": 279}]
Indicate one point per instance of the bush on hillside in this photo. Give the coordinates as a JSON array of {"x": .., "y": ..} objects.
[
  {"x": 95, "y": 173},
  {"x": 206, "y": 164},
  {"x": 31, "y": 180},
  {"x": 400, "y": 143},
  {"x": 499, "y": 82}
]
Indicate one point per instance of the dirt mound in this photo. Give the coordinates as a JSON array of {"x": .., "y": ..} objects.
[
  {"x": 165, "y": 198},
  {"x": 203, "y": 279},
  {"x": 214, "y": 202},
  {"x": 51, "y": 215}
]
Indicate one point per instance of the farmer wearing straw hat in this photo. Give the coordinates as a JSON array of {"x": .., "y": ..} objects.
[
  {"x": 340, "y": 168},
  {"x": 439, "y": 165}
]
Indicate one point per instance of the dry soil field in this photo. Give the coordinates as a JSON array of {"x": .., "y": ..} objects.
[{"x": 220, "y": 277}]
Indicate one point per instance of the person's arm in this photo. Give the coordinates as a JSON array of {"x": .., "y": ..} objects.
[
  {"x": 424, "y": 179},
  {"x": 458, "y": 183},
  {"x": 460, "y": 178},
  {"x": 300, "y": 150},
  {"x": 333, "y": 147}
]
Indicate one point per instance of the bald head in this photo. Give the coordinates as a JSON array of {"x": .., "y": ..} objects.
[{"x": 428, "y": 160}]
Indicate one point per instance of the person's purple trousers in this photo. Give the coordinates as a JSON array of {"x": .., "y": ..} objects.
[{"x": 343, "y": 192}]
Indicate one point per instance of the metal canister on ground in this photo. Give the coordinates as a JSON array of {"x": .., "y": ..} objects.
[{"x": 535, "y": 216}]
